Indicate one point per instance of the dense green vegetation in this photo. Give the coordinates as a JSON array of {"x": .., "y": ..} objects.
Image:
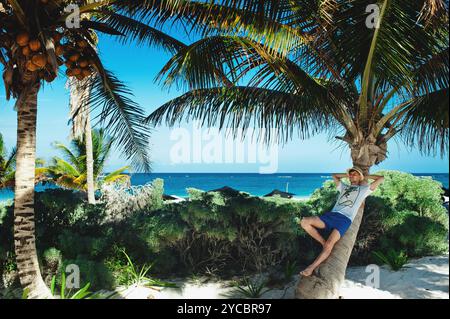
[{"x": 221, "y": 234}]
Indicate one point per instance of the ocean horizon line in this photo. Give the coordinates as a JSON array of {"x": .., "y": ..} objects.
[{"x": 315, "y": 173}]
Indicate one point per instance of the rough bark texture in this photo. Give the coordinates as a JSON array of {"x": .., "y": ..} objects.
[
  {"x": 24, "y": 220},
  {"x": 81, "y": 128},
  {"x": 89, "y": 161},
  {"x": 327, "y": 279}
]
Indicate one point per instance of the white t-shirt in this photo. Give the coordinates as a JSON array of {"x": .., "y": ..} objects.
[{"x": 350, "y": 199}]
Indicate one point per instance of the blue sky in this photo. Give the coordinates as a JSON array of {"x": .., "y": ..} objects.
[{"x": 137, "y": 67}]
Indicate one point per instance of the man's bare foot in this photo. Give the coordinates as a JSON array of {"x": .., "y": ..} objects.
[{"x": 307, "y": 272}]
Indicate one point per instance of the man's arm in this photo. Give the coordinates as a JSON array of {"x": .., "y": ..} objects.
[
  {"x": 337, "y": 178},
  {"x": 377, "y": 180}
]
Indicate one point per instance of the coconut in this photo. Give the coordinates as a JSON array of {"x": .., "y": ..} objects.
[
  {"x": 35, "y": 45},
  {"x": 74, "y": 57},
  {"x": 31, "y": 66},
  {"x": 40, "y": 60},
  {"x": 82, "y": 44},
  {"x": 76, "y": 71},
  {"x": 59, "y": 50},
  {"x": 26, "y": 51},
  {"x": 68, "y": 64},
  {"x": 22, "y": 39},
  {"x": 83, "y": 63}
]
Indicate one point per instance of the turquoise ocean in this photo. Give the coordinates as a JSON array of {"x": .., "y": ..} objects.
[{"x": 300, "y": 184}]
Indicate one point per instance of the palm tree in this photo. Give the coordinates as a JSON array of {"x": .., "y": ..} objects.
[
  {"x": 35, "y": 42},
  {"x": 7, "y": 165},
  {"x": 82, "y": 128},
  {"x": 71, "y": 172},
  {"x": 314, "y": 66}
]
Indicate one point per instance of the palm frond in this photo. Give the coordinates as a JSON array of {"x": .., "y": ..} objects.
[
  {"x": 433, "y": 12},
  {"x": 121, "y": 117},
  {"x": 62, "y": 167},
  {"x": 68, "y": 182},
  {"x": 267, "y": 21},
  {"x": 142, "y": 33},
  {"x": 433, "y": 74},
  {"x": 68, "y": 154},
  {"x": 117, "y": 176},
  {"x": 278, "y": 115},
  {"x": 426, "y": 123}
]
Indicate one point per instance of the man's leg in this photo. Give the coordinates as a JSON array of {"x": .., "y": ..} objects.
[
  {"x": 327, "y": 248},
  {"x": 310, "y": 225}
]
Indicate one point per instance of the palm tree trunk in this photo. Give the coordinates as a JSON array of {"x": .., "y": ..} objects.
[
  {"x": 326, "y": 281},
  {"x": 80, "y": 111},
  {"x": 24, "y": 220},
  {"x": 89, "y": 160}
]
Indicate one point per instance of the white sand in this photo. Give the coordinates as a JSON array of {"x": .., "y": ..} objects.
[
  {"x": 420, "y": 279},
  {"x": 424, "y": 278}
]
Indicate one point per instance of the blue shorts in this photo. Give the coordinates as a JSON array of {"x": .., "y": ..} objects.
[{"x": 336, "y": 221}]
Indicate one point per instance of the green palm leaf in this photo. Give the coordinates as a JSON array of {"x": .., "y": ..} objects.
[
  {"x": 117, "y": 176},
  {"x": 425, "y": 123},
  {"x": 240, "y": 108},
  {"x": 142, "y": 33},
  {"x": 122, "y": 118}
]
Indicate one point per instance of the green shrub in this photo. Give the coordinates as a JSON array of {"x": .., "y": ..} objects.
[
  {"x": 406, "y": 192},
  {"x": 219, "y": 232},
  {"x": 395, "y": 260},
  {"x": 418, "y": 236},
  {"x": 60, "y": 210},
  {"x": 52, "y": 258},
  {"x": 250, "y": 289},
  {"x": 95, "y": 273}
]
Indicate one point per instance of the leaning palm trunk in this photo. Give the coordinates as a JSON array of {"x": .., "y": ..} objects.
[
  {"x": 81, "y": 128},
  {"x": 326, "y": 281},
  {"x": 24, "y": 220}
]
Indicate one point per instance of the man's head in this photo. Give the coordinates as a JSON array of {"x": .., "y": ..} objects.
[{"x": 355, "y": 175}]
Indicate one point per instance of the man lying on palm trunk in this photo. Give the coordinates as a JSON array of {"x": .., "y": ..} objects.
[{"x": 339, "y": 219}]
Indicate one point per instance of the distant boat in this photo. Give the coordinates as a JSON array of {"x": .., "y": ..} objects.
[{"x": 282, "y": 194}]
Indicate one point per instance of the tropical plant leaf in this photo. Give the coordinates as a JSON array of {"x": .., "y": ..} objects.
[
  {"x": 237, "y": 109},
  {"x": 122, "y": 118}
]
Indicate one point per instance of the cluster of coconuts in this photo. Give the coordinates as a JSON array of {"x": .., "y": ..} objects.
[
  {"x": 74, "y": 56},
  {"x": 36, "y": 59},
  {"x": 77, "y": 60}
]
